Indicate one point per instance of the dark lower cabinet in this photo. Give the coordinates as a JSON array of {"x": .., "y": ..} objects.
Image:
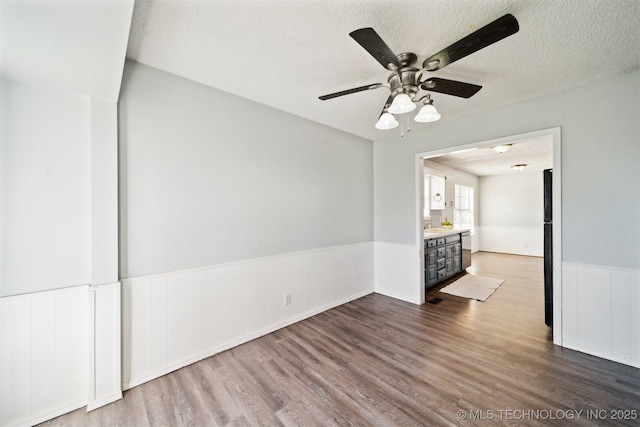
[
  {"x": 432, "y": 274},
  {"x": 443, "y": 258}
]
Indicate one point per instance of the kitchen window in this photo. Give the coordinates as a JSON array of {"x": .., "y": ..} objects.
[{"x": 463, "y": 216}]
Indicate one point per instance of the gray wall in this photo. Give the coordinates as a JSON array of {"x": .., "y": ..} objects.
[
  {"x": 600, "y": 173},
  {"x": 45, "y": 189},
  {"x": 207, "y": 177}
]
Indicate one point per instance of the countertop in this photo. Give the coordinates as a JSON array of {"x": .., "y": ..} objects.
[{"x": 441, "y": 232}]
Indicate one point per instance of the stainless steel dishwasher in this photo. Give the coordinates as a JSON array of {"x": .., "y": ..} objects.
[{"x": 466, "y": 249}]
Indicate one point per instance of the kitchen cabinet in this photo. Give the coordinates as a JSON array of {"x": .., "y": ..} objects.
[
  {"x": 438, "y": 193},
  {"x": 449, "y": 191},
  {"x": 443, "y": 258},
  {"x": 442, "y": 192}
]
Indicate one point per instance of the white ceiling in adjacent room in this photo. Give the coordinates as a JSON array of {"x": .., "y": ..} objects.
[{"x": 536, "y": 153}]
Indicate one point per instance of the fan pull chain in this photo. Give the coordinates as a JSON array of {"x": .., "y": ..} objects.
[{"x": 404, "y": 123}]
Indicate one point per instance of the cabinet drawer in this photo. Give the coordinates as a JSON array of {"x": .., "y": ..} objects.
[
  {"x": 441, "y": 241},
  {"x": 441, "y": 252},
  {"x": 453, "y": 239},
  {"x": 441, "y": 273},
  {"x": 430, "y": 243},
  {"x": 441, "y": 263}
]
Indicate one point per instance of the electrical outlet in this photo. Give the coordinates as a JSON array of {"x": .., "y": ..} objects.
[{"x": 287, "y": 299}]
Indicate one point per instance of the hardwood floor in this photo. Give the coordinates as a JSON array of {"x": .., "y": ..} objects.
[{"x": 378, "y": 361}]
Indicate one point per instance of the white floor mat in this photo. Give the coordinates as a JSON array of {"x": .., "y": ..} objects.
[{"x": 475, "y": 287}]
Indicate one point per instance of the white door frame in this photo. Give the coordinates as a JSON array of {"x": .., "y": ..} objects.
[{"x": 556, "y": 200}]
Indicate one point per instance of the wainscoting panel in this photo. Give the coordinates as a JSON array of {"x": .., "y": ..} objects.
[
  {"x": 171, "y": 320},
  {"x": 600, "y": 311},
  {"x": 397, "y": 272},
  {"x": 180, "y": 319},
  {"x": 104, "y": 345},
  {"x": 44, "y": 359}
]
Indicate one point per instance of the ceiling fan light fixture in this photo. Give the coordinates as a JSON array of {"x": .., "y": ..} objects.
[
  {"x": 405, "y": 80},
  {"x": 387, "y": 121},
  {"x": 401, "y": 104},
  {"x": 427, "y": 114},
  {"x": 501, "y": 148},
  {"x": 519, "y": 167}
]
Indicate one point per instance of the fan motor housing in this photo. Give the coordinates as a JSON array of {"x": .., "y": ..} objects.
[{"x": 404, "y": 81}]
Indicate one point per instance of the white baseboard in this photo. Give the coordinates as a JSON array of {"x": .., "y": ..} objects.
[
  {"x": 32, "y": 421},
  {"x": 604, "y": 355},
  {"x": 104, "y": 400}
]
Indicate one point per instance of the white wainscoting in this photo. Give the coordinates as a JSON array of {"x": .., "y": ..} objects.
[
  {"x": 601, "y": 311},
  {"x": 527, "y": 241},
  {"x": 397, "y": 271},
  {"x": 44, "y": 342},
  {"x": 174, "y": 319},
  {"x": 104, "y": 345}
]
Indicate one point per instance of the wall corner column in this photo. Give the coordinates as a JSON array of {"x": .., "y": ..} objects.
[{"x": 104, "y": 292}]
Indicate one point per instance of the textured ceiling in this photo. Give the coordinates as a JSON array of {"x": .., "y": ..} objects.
[
  {"x": 286, "y": 53},
  {"x": 536, "y": 153}
]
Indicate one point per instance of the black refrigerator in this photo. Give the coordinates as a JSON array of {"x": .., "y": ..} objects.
[{"x": 548, "y": 248}]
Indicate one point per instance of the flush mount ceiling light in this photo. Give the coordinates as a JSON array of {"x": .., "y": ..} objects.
[
  {"x": 519, "y": 167},
  {"x": 501, "y": 148},
  {"x": 406, "y": 80}
]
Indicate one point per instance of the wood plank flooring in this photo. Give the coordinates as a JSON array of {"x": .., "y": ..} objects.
[{"x": 378, "y": 361}]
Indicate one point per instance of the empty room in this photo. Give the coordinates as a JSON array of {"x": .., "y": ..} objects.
[{"x": 282, "y": 212}]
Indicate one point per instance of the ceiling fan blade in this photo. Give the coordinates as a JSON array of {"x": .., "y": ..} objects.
[
  {"x": 450, "y": 87},
  {"x": 387, "y": 104},
  {"x": 485, "y": 36},
  {"x": 350, "y": 91},
  {"x": 372, "y": 43}
]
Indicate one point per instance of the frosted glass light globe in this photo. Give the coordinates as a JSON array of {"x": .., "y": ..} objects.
[
  {"x": 386, "y": 121},
  {"x": 401, "y": 104},
  {"x": 427, "y": 114}
]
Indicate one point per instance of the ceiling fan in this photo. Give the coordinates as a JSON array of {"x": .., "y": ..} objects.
[{"x": 405, "y": 80}]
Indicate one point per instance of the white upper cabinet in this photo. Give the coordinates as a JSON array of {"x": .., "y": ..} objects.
[
  {"x": 438, "y": 193},
  {"x": 450, "y": 192}
]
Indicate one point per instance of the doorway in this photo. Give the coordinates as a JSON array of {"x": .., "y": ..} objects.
[{"x": 453, "y": 153}]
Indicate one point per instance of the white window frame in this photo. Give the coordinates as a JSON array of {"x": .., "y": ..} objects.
[{"x": 459, "y": 212}]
